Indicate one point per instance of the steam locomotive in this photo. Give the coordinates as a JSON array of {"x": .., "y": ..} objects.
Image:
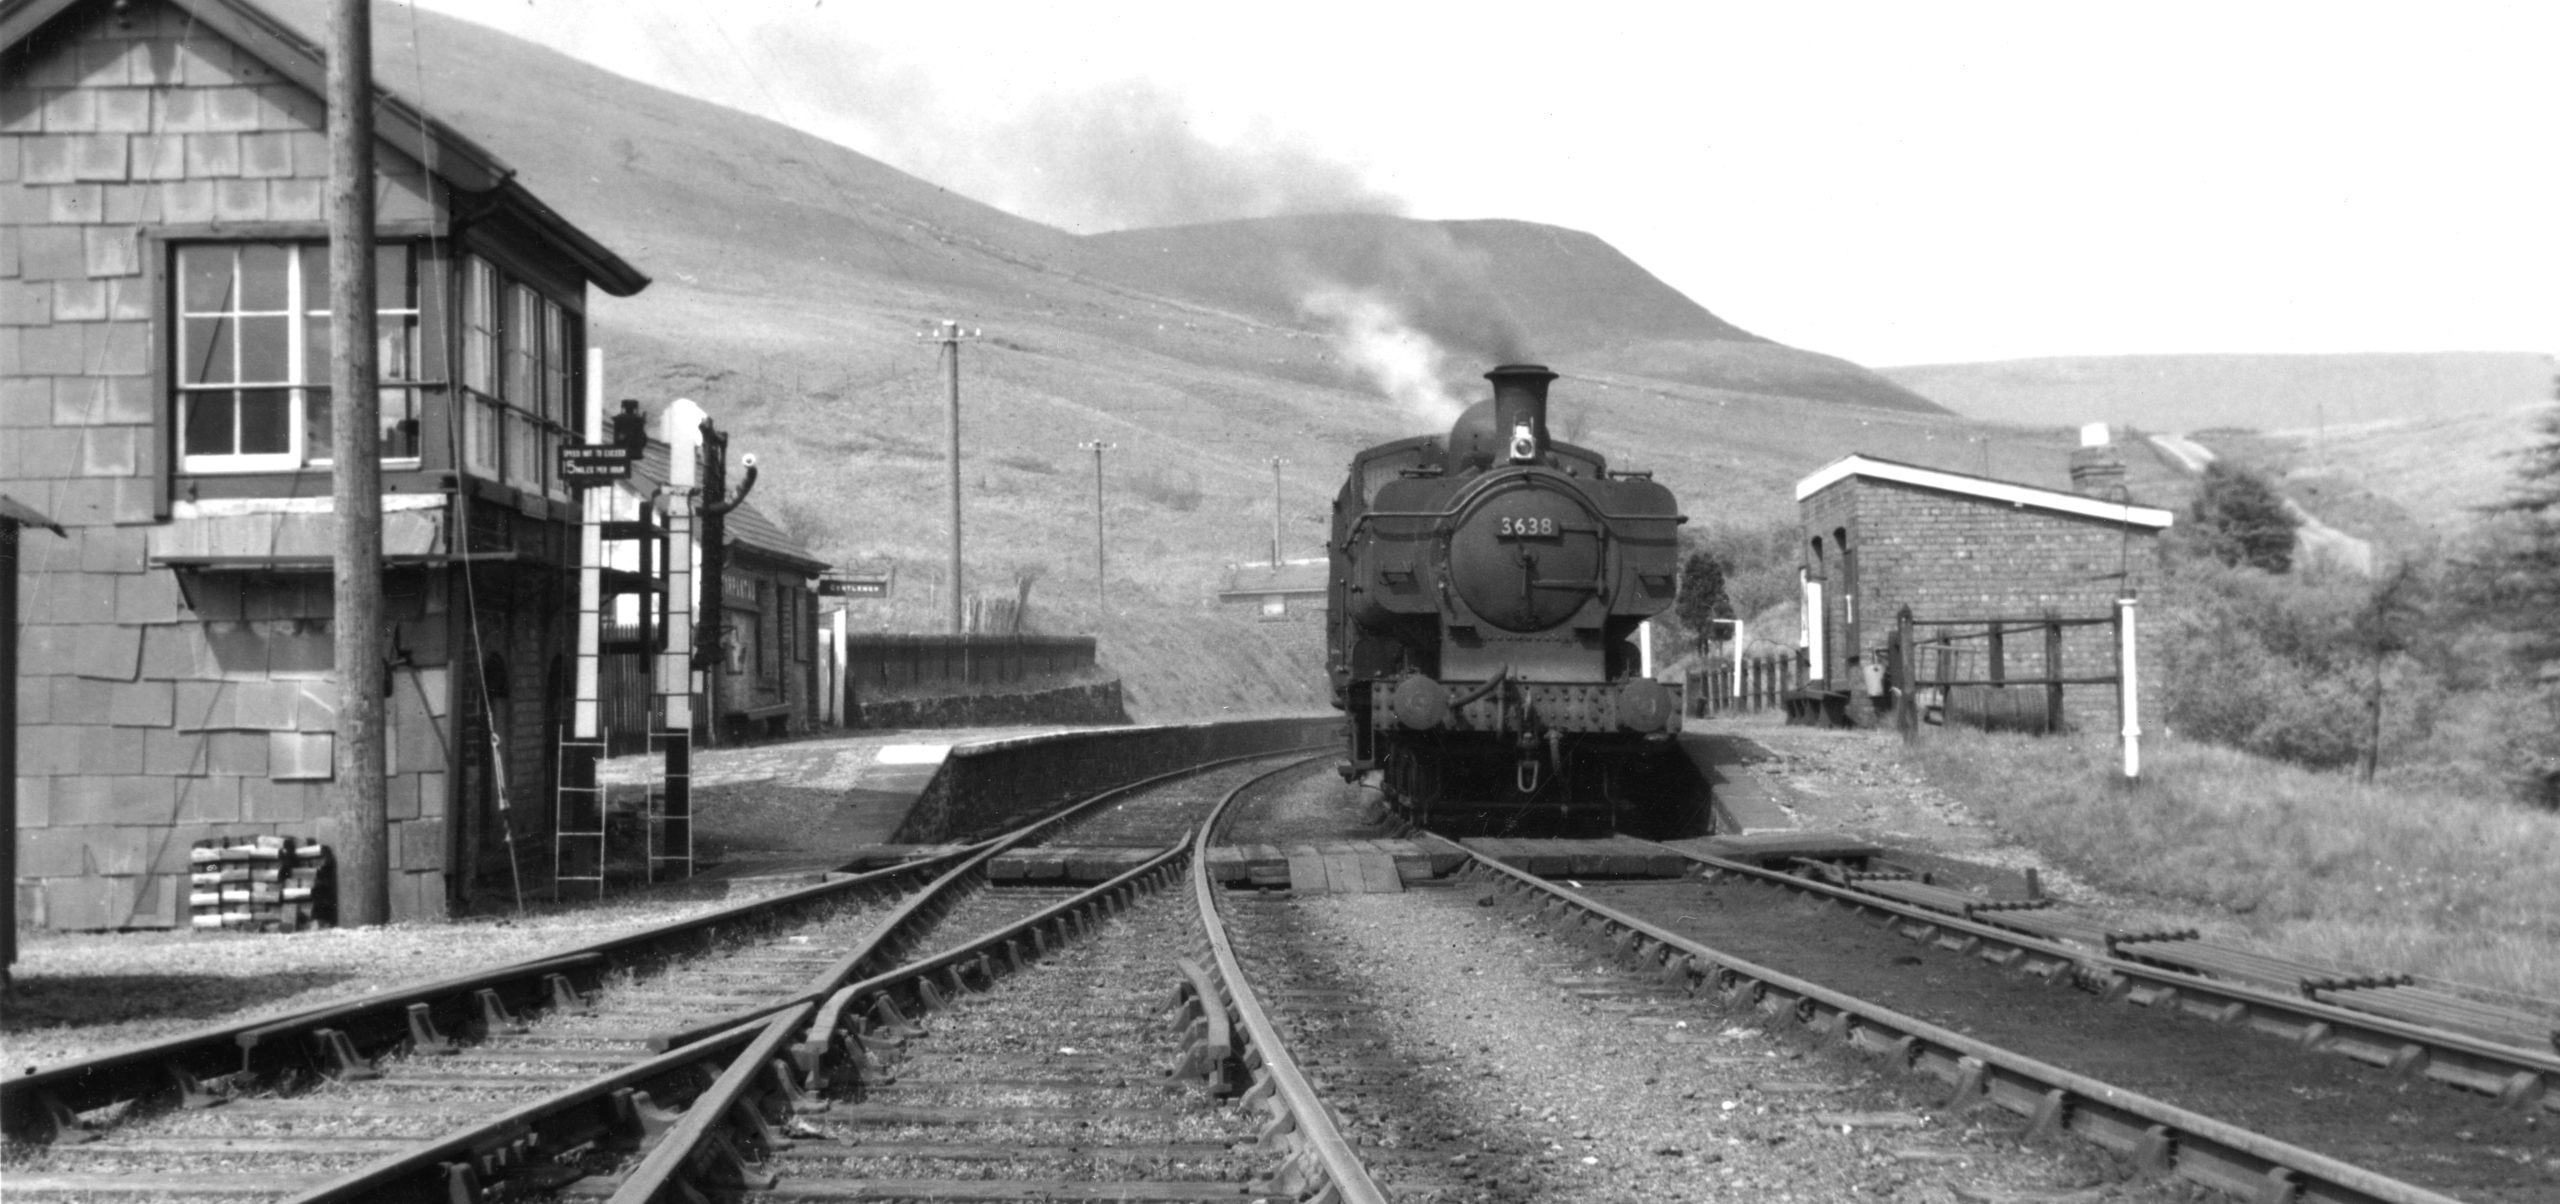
[{"x": 1486, "y": 590}]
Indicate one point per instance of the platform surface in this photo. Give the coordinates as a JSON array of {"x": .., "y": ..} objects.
[
  {"x": 801, "y": 807},
  {"x": 1745, "y": 801}
]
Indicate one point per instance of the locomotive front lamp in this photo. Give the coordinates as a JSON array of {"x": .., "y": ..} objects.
[{"x": 1524, "y": 444}]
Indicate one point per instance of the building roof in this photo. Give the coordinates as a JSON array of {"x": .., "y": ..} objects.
[
  {"x": 287, "y": 38},
  {"x": 1985, "y": 488},
  {"x": 1294, "y": 578},
  {"x": 747, "y": 527}
]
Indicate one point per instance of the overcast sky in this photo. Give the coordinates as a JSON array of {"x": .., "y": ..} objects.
[{"x": 1894, "y": 183}]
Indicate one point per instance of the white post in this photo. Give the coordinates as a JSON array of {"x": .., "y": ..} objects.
[
  {"x": 596, "y": 502},
  {"x": 836, "y": 693},
  {"x": 683, "y": 422},
  {"x": 1817, "y": 658},
  {"x": 2128, "y": 693},
  {"x": 1739, "y": 636},
  {"x": 1644, "y": 648}
]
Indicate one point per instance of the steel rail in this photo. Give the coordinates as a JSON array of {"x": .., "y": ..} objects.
[
  {"x": 2161, "y": 1138},
  {"x": 35, "y": 1105},
  {"x": 685, "y": 1142},
  {"x": 44, "y": 1104},
  {"x": 1348, "y": 1179},
  {"x": 461, "y": 1153},
  {"x": 899, "y": 928},
  {"x": 2515, "y": 1075},
  {"x": 837, "y": 1032},
  {"x": 696, "y": 1145}
]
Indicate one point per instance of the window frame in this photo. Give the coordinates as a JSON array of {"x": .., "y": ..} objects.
[
  {"x": 516, "y": 337},
  {"x": 301, "y": 313}
]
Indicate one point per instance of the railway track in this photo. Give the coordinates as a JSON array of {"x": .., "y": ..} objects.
[
  {"x": 677, "y": 1061},
  {"x": 2193, "y": 1090},
  {"x": 954, "y": 1029}
]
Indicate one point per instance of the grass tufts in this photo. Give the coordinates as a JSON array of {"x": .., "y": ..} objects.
[{"x": 2438, "y": 884}]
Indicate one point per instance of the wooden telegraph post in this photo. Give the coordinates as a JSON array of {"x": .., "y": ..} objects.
[{"x": 359, "y": 794}]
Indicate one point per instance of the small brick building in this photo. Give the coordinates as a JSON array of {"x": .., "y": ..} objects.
[
  {"x": 768, "y": 621},
  {"x": 163, "y": 396},
  {"x": 1881, "y": 535},
  {"x": 1291, "y": 590}
]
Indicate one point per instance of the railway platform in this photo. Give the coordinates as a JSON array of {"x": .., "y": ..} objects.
[
  {"x": 1746, "y": 801},
  {"x": 789, "y": 812}
]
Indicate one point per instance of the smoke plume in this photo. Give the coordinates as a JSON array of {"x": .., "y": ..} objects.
[
  {"x": 1111, "y": 157},
  {"x": 1407, "y": 365},
  {"x": 1127, "y": 156}
]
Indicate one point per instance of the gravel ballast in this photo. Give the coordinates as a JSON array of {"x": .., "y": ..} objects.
[{"x": 1585, "y": 1084}]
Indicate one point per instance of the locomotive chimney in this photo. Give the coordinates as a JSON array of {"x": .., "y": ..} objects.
[{"x": 1520, "y": 399}]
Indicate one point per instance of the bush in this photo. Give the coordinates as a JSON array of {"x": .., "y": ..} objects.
[
  {"x": 2284, "y": 666},
  {"x": 1728, "y": 570},
  {"x": 2241, "y": 519}
]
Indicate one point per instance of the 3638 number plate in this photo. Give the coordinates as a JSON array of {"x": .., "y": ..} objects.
[{"x": 1519, "y": 527}]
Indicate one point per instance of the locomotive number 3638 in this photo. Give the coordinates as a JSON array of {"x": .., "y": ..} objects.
[{"x": 1514, "y": 527}]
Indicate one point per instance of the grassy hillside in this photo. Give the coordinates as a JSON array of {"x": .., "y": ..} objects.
[
  {"x": 2400, "y": 450},
  {"x": 791, "y": 275},
  {"x": 2403, "y": 485},
  {"x": 2259, "y": 392}
]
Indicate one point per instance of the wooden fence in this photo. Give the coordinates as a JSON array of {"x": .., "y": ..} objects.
[
  {"x": 1754, "y": 685},
  {"x": 1965, "y": 671}
]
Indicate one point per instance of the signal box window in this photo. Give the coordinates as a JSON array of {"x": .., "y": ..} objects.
[
  {"x": 519, "y": 383},
  {"x": 252, "y": 352}
]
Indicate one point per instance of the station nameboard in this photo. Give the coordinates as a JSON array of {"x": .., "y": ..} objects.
[
  {"x": 581, "y": 463},
  {"x": 849, "y": 585}
]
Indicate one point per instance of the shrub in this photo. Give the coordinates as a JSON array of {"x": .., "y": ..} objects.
[{"x": 2241, "y": 519}]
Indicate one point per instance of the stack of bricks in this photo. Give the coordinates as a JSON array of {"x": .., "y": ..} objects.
[{"x": 257, "y": 883}]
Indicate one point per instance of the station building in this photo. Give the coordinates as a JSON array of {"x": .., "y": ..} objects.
[
  {"x": 163, "y": 396},
  {"x": 1287, "y": 591},
  {"x": 1880, "y": 535},
  {"x": 765, "y": 680}
]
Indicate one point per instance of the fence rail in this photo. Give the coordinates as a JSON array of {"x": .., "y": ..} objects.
[
  {"x": 1754, "y": 685},
  {"x": 1964, "y": 670}
]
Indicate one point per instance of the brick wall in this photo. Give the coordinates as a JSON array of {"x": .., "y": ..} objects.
[
  {"x": 1950, "y": 556},
  {"x": 1825, "y": 514},
  {"x": 151, "y": 715}
]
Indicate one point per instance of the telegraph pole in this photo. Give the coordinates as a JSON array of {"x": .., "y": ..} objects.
[
  {"x": 1276, "y": 462},
  {"x": 1097, "y": 447},
  {"x": 950, "y": 335},
  {"x": 359, "y": 797}
]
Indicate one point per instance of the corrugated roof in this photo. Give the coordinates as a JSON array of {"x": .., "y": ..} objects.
[{"x": 747, "y": 527}]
